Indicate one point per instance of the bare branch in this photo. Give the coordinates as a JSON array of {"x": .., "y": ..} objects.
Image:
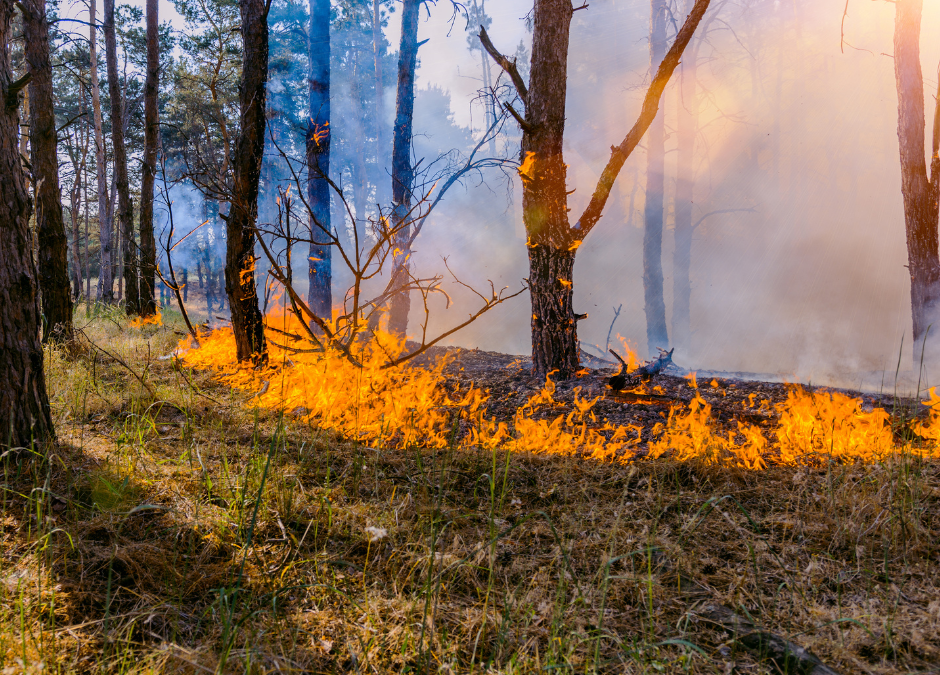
[
  {"x": 719, "y": 211},
  {"x": 506, "y": 64},
  {"x": 620, "y": 153},
  {"x": 13, "y": 90}
]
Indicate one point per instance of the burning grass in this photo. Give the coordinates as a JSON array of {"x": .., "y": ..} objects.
[{"x": 201, "y": 527}]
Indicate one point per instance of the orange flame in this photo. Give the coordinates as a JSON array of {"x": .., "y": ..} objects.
[
  {"x": 409, "y": 407},
  {"x": 140, "y": 322}
]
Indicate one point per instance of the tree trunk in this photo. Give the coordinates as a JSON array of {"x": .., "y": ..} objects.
[
  {"x": 50, "y": 226},
  {"x": 105, "y": 293},
  {"x": 402, "y": 170},
  {"x": 247, "y": 321},
  {"x": 320, "y": 269},
  {"x": 655, "y": 305},
  {"x": 687, "y": 128},
  {"x": 357, "y": 129},
  {"x": 383, "y": 194},
  {"x": 148, "y": 245},
  {"x": 919, "y": 190},
  {"x": 125, "y": 210},
  {"x": 25, "y": 417},
  {"x": 544, "y": 195},
  {"x": 76, "y": 234}
]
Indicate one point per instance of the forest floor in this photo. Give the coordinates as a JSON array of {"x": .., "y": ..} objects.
[{"x": 176, "y": 527}]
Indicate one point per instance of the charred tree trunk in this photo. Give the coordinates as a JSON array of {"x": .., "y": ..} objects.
[
  {"x": 50, "y": 226},
  {"x": 106, "y": 273},
  {"x": 320, "y": 271},
  {"x": 655, "y": 304},
  {"x": 402, "y": 170},
  {"x": 687, "y": 128},
  {"x": 247, "y": 321},
  {"x": 920, "y": 190},
  {"x": 554, "y": 329},
  {"x": 125, "y": 208},
  {"x": 25, "y": 417},
  {"x": 148, "y": 245}
]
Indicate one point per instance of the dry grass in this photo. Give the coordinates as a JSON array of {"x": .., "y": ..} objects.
[{"x": 175, "y": 528}]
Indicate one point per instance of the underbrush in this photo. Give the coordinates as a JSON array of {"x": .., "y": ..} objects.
[{"x": 177, "y": 526}]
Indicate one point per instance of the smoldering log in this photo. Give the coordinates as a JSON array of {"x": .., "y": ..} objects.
[{"x": 644, "y": 372}]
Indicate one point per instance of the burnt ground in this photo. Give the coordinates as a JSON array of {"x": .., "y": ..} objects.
[{"x": 733, "y": 397}]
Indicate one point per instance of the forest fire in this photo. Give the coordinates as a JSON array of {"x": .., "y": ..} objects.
[
  {"x": 141, "y": 321},
  {"x": 407, "y": 407}
]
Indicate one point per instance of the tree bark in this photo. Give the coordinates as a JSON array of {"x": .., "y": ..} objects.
[
  {"x": 655, "y": 304},
  {"x": 148, "y": 245},
  {"x": 105, "y": 292},
  {"x": 402, "y": 170},
  {"x": 247, "y": 321},
  {"x": 25, "y": 417},
  {"x": 50, "y": 226},
  {"x": 125, "y": 210},
  {"x": 320, "y": 269},
  {"x": 919, "y": 190}
]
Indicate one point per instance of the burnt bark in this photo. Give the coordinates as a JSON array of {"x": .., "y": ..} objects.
[
  {"x": 105, "y": 293},
  {"x": 655, "y": 304},
  {"x": 554, "y": 325},
  {"x": 320, "y": 269},
  {"x": 50, "y": 226},
  {"x": 920, "y": 190},
  {"x": 125, "y": 208},
  {"x": 551, "y": 240},
  {"x": 148, "y": 244},
  {"x": 25, "y": 417},
  {"x": 402, "y": 169},
  {"x": 247, "y": 320}
]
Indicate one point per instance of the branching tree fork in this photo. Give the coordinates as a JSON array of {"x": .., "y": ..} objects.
[{"x": 552, "y": 240}]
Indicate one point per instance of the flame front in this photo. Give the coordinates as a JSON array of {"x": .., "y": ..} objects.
[{"x": 408, "y": 407}]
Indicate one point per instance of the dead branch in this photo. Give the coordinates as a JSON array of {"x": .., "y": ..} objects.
[
  {"x": 117, "y": 358},
  {"x": 509, "y": 65},
  {"x": 175, "y": 287},
  {"x": 783, "y": 655}
]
